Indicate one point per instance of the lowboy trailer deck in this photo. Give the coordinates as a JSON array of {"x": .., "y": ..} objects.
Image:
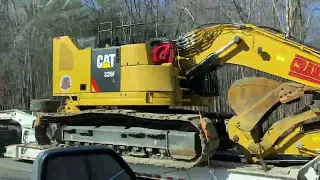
[{"x": 216, "y": 170}]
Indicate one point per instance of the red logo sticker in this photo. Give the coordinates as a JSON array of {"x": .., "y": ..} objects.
[{"x": 305, "y": 69}]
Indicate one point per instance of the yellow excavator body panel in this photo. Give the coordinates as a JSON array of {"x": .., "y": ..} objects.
[
  {"x": 136, "y": 80},
  {"x": 70, "y": 67}
]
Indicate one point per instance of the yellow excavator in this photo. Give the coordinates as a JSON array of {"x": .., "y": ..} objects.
[{"x": 128, "y": 96}]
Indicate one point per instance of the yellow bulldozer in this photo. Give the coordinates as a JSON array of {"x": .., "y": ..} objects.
[{"x": 122, "y": 96}]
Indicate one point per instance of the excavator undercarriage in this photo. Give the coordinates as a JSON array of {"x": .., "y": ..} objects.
[
  {"x": 139, "y": 123},
  {"x": 166, "y": 137}
]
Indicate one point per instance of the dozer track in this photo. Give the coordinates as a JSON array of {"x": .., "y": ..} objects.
[{"x": 170, "y": 140}]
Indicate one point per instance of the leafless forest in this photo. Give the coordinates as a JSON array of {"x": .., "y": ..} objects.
[{"x": 28, "y": 26}]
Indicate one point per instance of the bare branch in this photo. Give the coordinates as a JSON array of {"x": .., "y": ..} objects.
[{"x": 188, "y": 12}]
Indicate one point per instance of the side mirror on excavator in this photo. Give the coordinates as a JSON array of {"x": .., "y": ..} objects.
[{"x": 81, "y": 163}]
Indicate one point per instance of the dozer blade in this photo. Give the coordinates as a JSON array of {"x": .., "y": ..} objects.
[
  {"x": 246, "y": 92},
  {"x": 252, "y": 99},
  {"x": 171, "y": 140}
]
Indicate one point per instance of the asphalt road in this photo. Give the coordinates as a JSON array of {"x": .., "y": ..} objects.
[{"x": 14, "y": 170}]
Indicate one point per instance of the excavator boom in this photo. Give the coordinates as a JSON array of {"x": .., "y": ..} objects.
[
  {"x": 252, "y": 98},
  {"x": 257, "y": 48}
]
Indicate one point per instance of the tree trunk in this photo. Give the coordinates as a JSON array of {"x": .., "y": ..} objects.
[{"x": 294, "y": 18}]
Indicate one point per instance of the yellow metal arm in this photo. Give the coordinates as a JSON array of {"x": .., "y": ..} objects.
[
  {"x": 241, "y": 127},
  {"x": 259, "y": 49}
]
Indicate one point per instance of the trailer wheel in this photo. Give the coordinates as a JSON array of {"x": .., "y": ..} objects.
[{"x": 9, "y": 136}]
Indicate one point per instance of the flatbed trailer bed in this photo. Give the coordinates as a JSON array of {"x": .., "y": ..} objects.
[{"x": 216, "y": 170}]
